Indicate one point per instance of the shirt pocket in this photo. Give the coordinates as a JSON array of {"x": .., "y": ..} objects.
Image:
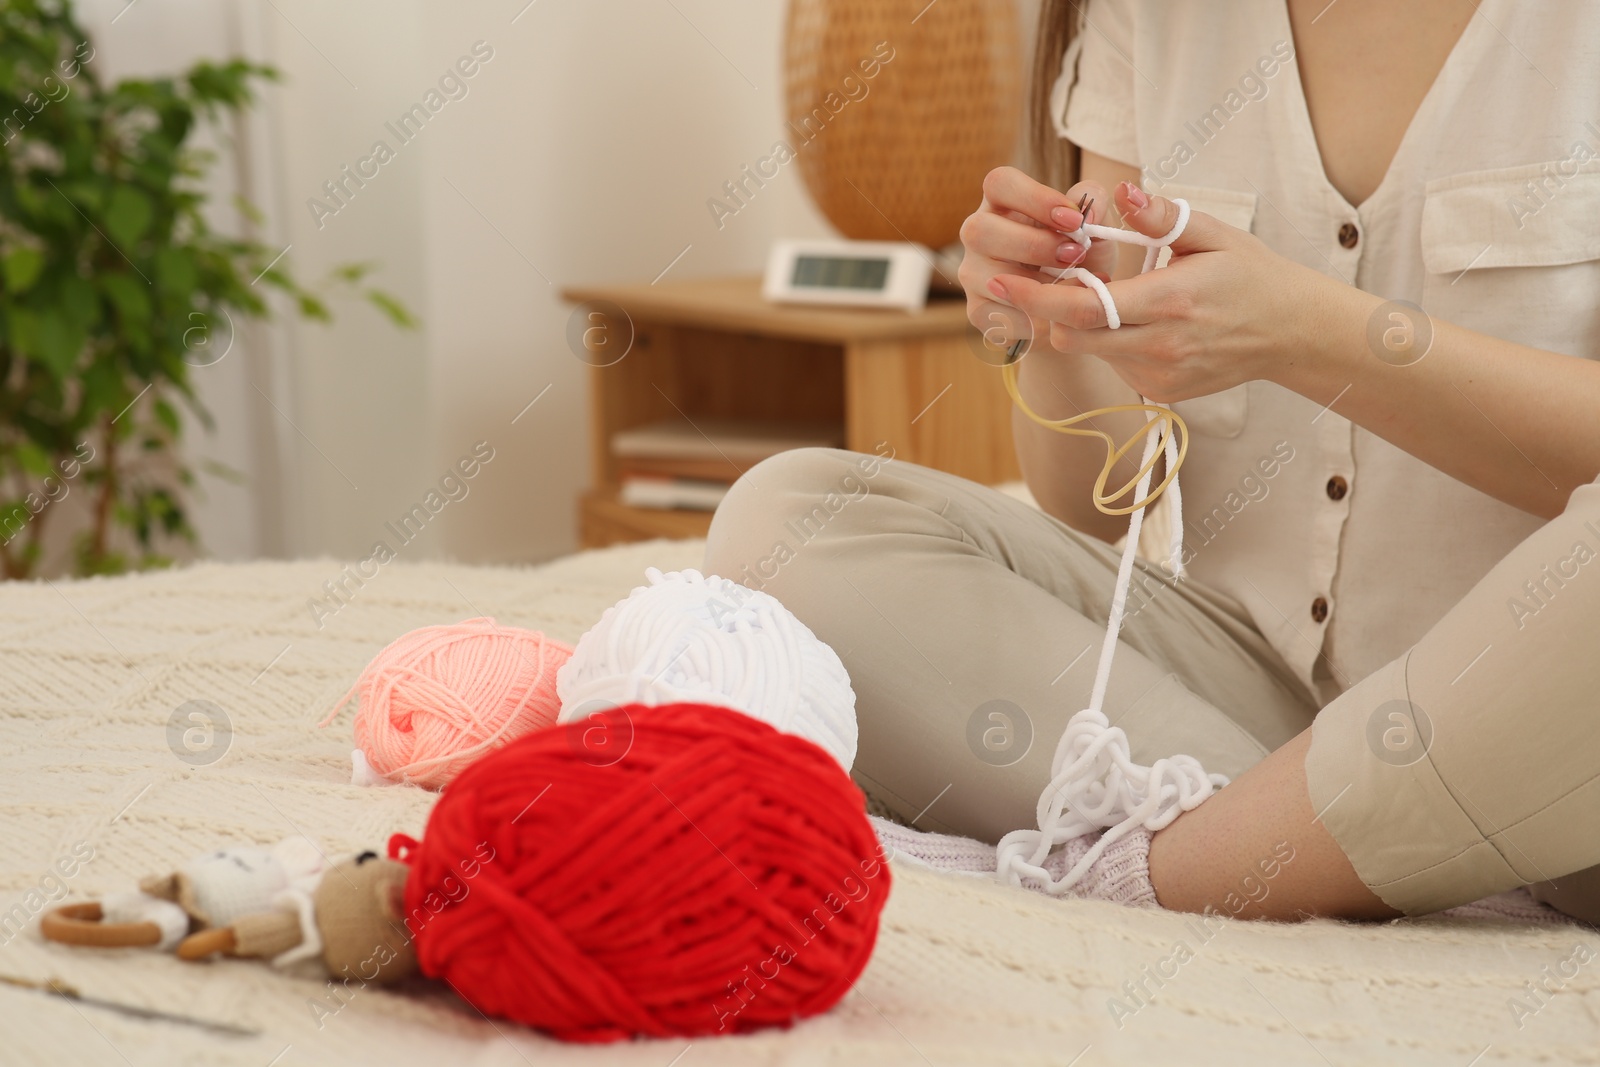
[
  {"x": 1219, "y": 414},
  {"x": 1515, "y": 253}
]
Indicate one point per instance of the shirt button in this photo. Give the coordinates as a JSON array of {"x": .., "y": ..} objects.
[
  {"x": 1337, "y": 488},
  {"x": 1349, "y": 235},
  {"x": 1319, "y": 609}
]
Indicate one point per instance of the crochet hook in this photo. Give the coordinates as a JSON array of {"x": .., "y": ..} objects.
[
  {"x": 1014, "y": 353},
  {"x": 57, "y": 988}
]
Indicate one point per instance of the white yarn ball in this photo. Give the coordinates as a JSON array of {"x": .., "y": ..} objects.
[{"x": 707, "y": 640}]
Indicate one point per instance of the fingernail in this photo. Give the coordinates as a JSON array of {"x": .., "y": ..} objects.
[
  {"x": 996, "y": 288},
  {"x": 1069, "y": 253},
  {"x": 1066, "y": 218},
  {"x": 1136, "y": 196}
]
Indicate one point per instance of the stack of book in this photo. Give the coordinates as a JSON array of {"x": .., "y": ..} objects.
[{"x": 678, "y": 463}]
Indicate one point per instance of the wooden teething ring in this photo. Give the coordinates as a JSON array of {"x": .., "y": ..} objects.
[{"x": 80, "y": 924}]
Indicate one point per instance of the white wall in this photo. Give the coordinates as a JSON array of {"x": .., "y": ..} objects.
[
  {"x": 592, "y": 142},
  {"x": 584, "y": 151}
]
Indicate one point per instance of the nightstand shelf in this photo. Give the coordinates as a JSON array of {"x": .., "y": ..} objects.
[{"x": 715, "y": 349}]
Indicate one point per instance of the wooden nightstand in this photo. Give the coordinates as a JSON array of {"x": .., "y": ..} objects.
[{"x": 716, "y": 349}]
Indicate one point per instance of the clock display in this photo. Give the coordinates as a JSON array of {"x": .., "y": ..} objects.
[
  {"x": 840, "y": 272},
  {"x": 832, "y": 272}
]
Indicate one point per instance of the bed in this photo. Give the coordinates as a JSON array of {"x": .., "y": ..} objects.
[{"x": 92, "y": 673}]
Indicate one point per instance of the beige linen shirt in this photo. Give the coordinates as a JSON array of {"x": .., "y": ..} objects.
[{"x": 1343, "y": 548}]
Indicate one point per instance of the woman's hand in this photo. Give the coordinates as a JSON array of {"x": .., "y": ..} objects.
[
  {"x": 1020, "y": 226},
  {"x": 1225, "y": 310}
]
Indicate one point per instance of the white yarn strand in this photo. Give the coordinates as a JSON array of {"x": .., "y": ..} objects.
[
  {"x": 1094, "y": 783},
  {"x": 1119, "y": 594},
  {"x": 1174, "y": 497}
]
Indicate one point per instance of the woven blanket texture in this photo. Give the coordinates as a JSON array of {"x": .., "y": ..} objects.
[{"x": 966, "y": 971}]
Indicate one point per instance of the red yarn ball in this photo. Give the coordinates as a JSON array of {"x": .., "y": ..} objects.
[{"x": 653, "y": 871}]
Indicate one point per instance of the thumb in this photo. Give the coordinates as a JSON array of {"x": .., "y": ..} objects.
[{"x": 1154, "y": 216}]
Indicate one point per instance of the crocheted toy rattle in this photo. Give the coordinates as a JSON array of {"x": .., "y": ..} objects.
[
  {"x": 354, "y": 923},
  {"x": 211, "y": 890},
  {"x": 254, "y": 902}
]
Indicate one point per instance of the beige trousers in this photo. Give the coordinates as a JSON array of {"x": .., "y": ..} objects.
[{"x": 971, "y": 626}]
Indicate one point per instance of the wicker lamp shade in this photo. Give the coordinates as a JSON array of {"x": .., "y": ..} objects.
[{"x": 901, "y": 155}]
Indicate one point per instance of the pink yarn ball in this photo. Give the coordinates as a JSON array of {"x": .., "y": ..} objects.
[{"x": 439, "y": 697}]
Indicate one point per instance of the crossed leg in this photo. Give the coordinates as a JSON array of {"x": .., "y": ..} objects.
[{"x": 958, "y": 613}]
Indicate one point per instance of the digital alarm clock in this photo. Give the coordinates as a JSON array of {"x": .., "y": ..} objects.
[{"x": 880, "y": 274}]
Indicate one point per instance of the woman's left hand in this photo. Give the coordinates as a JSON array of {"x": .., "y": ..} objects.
[{"x": 1225, "y": 310}]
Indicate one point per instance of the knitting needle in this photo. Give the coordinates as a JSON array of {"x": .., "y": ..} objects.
[{"x": 56, "y": 987}]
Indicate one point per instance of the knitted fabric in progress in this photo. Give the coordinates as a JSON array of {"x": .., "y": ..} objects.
[{"x": 1094, "y": 782}]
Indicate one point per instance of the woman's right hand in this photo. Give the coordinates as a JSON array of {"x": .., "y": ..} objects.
[{"x": 1021, "y": 226}]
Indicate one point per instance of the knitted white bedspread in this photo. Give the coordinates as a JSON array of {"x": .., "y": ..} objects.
[{"x": 966, "y": 972}]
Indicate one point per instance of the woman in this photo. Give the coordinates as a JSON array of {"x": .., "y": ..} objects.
[{"x": 1386, "y": 637}]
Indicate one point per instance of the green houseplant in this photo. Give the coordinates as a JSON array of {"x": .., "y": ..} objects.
[{"x": 112, "y": 285}]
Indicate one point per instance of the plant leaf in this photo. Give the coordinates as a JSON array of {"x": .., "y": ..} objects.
[
  {"x": 396, "y": 312},
  {"x": 128, "y": 215},
  {"x": 22, "y": 329},
  {"x": 58, "y": 342},
  {"x": 22, "y": 267},
  {"x": 32, "y": 458},
  {"x": 353, "y": 272},
  {"x": 128, "y": 294},
  {"x": 168, "y": 416},
  {"x": 312, "y": 308},
  {"x": 175, "y": 271},
  {"x": 79, "y": 301},
  {"x": 102, "y": 388},
  {"x": 218, "y": 469},
  {"x": 249, "y": 211}
]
